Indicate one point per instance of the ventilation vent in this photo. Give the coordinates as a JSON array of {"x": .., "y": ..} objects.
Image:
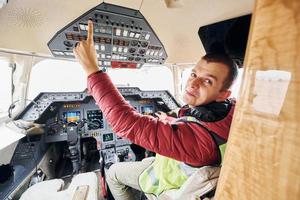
[{"x": 25, "y": 17}]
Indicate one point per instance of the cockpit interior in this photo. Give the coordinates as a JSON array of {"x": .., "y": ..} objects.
[
  {"x": 56, "y": 143},
  {"x": 66, "y": 133}
]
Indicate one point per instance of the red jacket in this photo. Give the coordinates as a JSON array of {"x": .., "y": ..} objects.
[{"x": 189, "y": 142}]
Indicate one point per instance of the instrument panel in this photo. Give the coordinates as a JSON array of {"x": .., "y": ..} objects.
[
  {"x": 88, "y": 118},
  {"x": 89, "y": 122},
  {"x": 123, "y": 37},
  {"x": 77, "y": 137},
  {"x": 74, "y": 116}
]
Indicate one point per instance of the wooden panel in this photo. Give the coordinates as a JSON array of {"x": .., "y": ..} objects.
[{"x": 262, "y": 160}]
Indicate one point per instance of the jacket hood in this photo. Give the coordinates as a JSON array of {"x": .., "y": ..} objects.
[{"x": 211, "y": 112}]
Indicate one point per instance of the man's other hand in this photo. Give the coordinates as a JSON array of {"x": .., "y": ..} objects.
[
  {"x": 161, "y": 115},
  {"x": 85, "y": 52}
]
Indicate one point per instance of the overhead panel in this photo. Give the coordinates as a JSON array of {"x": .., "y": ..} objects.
[{"x": 123, "y": 37}]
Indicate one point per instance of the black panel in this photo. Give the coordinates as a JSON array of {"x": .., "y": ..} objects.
[
  {"x": 229, "y": 36},
  {"x": 27, "y": 155}
]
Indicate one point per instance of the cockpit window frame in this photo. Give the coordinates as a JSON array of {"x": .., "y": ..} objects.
[{"x": 6, "y": 86}]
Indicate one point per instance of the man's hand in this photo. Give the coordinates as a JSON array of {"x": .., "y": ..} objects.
[
  {"x": 85, "y": 52},
  {"x": 161, "y": 115}
]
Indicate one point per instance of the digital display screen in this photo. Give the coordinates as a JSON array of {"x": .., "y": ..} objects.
[
  {"x": 108, "y": 137},
  {"x": 94, "y": 114},
  {"x": 147, "y": 110},
  {"x": 72, "y": 116}
]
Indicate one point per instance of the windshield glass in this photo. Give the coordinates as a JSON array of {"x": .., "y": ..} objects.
[
  {"x": 146, "y": 78},
  {"x": 67, "y": 76}
]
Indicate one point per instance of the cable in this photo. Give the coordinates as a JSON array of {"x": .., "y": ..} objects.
[{"x": 13, "y": 105}]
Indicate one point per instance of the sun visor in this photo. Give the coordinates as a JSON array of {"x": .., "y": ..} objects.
[{"x": 229, "y": 36}]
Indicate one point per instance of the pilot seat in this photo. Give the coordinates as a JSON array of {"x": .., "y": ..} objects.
[{"x": 83, "y": 187}]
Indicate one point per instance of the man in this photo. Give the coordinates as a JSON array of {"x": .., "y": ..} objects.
[{"x": 183, "y": 145}]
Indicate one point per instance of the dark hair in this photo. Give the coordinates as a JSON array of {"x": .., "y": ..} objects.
[{"x": 226, "y": 60}]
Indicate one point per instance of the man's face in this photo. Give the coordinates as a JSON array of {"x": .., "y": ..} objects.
[{"x": 205, "y": 84}]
